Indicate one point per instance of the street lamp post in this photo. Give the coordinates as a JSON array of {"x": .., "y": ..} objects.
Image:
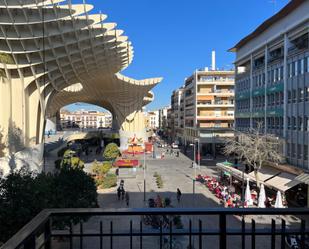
[
  {"x": 144, "y": 174},
  {"x": 199, "y": 155}
]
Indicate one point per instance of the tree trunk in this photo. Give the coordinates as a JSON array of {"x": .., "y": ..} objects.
[{"x": 256, "y": 174}]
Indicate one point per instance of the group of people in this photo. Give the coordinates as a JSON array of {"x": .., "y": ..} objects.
[
  {"x": 122, "y": 194},
  {"x": 227, "y": 195},
  {"x": 160, "y": 202}
]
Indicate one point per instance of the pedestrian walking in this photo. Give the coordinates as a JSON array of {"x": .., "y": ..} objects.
[
  {"x": 178, "y": 195},
  {"x": 122, "y": 193},
  {"x": 118, "y": 193},
  {"x": 127, "y": 198}
]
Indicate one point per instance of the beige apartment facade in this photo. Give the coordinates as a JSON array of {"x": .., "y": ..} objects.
[
  {"x": 203, "y": 109},
  {"x": 77, "y": 57},
  {"x": 86, "y": 119}
]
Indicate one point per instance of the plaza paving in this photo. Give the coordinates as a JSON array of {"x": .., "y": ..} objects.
[{"x": 176, "y": 173}]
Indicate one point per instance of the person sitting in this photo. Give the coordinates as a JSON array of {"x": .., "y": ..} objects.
[{"x": 229, "y": 202}]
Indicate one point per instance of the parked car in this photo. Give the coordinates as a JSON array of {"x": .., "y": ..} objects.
[{"x": 174, "y": 146}]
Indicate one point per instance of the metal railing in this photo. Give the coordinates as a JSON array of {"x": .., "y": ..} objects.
[{"x": 40, "y": 232}]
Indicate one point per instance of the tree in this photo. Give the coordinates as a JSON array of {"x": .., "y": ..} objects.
[
  {"x": 255, "y": 148},
  {"x": 70, "y": 160},
  {"x": 23, "y": 195},
  {"x": 101, "y": 169},
  {"x": 111, "y": 151}
]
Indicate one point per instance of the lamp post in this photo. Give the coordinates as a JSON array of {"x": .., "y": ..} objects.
[
  {"x": 144, "y": 174},
  {"x": 199, "y": 155}
]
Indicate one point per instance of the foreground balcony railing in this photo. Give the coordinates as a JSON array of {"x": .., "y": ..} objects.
[{"x": 126, "y": 228}]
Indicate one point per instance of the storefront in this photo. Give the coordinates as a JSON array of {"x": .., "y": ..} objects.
[{"x": 274, "y": 180}]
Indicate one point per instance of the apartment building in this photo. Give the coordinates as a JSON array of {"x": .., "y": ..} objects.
[
  {"x": 152, "y": 119},
  {"x": 203, "y": 109},
  {"x": 85, "y": 119},
  {"x": 163, "y": 117},
  {"x": 272, "y": 80},
  {"x": 177, "y": 114}
]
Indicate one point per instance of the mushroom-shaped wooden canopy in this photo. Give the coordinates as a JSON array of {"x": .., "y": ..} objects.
[{"x": 61, "y": 54}]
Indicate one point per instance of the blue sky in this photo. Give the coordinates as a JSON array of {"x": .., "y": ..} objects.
[{"x": 173, "y": 38}]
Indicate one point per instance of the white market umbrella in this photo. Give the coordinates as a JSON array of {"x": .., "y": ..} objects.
[
  {"x": 278, "y": 203},
  {"x": 248, "y": 198},
  {"x": 262, "y": 197}
]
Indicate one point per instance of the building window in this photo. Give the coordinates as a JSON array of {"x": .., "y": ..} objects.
[
  {"x": 289, "y": 96},
  {"x": 300, "y": 124},
  {"x": 293, "y": 95},
  {"x": 306, "y": 123},
  {"x": 302, "y": 66},
  {"x": 306, "y": 91},
  {"x": 289, "y": 123},
  {"x": 293, "y": 150},
  {"x": 305, "y": 152},
  {"x": 294, "y": 123},
  {"x": 295, "y": 68},
  {"x": 299, "y": 152},
  {"x": 300, "y": 94},
  {"x": 288, "y": 149},
  {"x": 291, "y": 70}
]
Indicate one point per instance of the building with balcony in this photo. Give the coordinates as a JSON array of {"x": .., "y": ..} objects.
[
  {"x": 177, "y": 107},
  {"x": 203, "y": 108},
  {"x": 272, "y": 80},
  {"x": 86, "y": 119}
]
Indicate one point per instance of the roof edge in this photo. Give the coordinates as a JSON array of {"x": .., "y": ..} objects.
[{"x": 286, "y": 10}]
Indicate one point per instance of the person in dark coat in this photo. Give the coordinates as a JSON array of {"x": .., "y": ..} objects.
[
  {"x": 122, "y": 193},
  {"x": 178, "y": 195},
  {"x": 118, "y": 193},
  {"x": 127, "y": 198}
]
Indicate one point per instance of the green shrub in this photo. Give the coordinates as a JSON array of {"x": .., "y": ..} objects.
[
  {"x": 23, "y": 195},
  {"x": 101, "y": 169},
  {"x": 109, "y": 181},
  {"x": 69, "y": 153},
  {"x": 72, "y": 162},
  {"x": 159, "y": 180},
  {"x": 111, "y": 151}
]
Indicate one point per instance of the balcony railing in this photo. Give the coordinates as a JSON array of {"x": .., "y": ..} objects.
[
  {"x": 215, "y": 103},
  {"x": 231, "y": 228}
]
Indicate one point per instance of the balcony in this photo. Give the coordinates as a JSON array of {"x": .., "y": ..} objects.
[
  {"x": 215, "y": 117},
  {"x": 229, "y": 82},
  {"x": 230, "y": 228},
  {"x": 218, "y": 93},
  {"x": 299, "y": 44},
  {"x": 213, "y": 104}
]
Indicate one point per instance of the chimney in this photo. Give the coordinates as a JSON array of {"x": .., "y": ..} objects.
[{"x": 213, "y": 60}]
